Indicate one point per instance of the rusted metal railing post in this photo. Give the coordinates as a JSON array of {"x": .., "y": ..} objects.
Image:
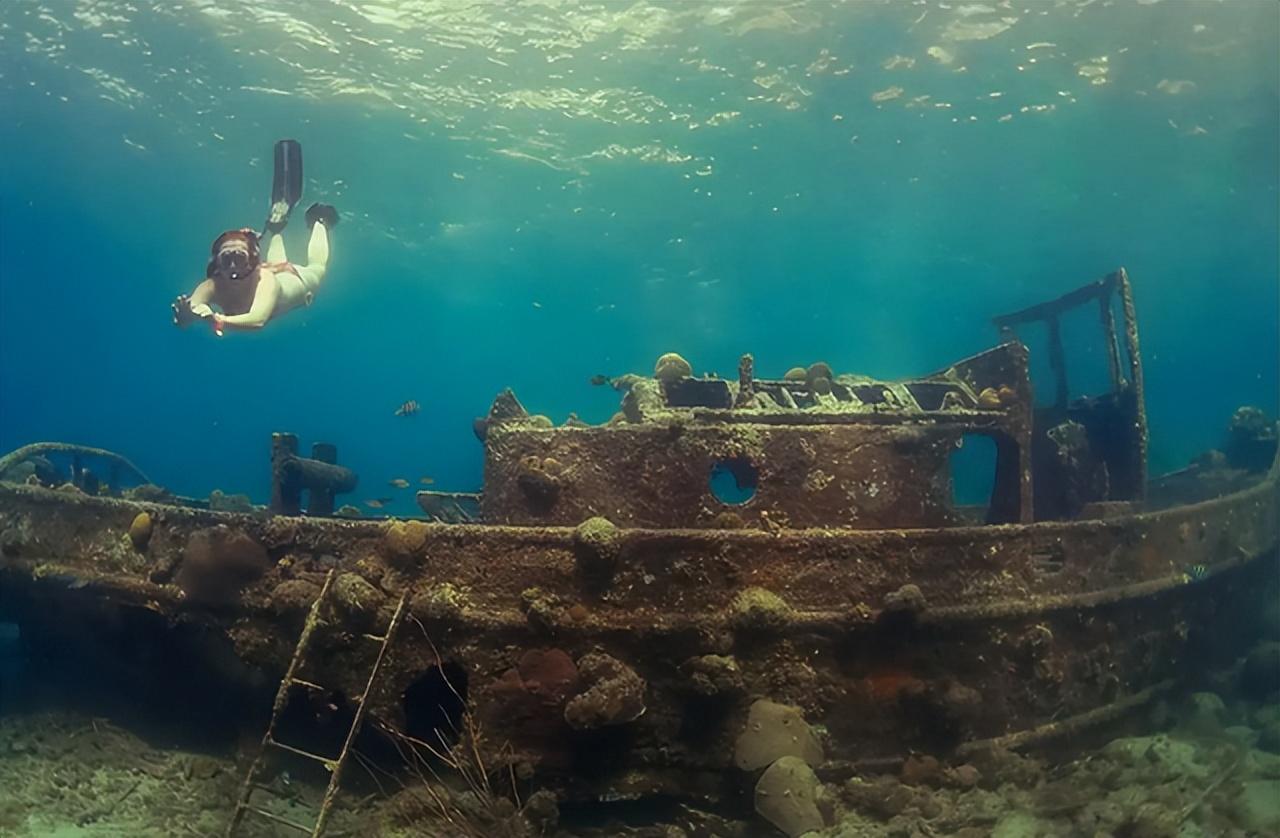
[
  {"x": 320, "y": 497},
  {"x": 1112, "y": 339},
  {"x": 1135, "y": 381},
  {"x": 286, "y": 496},
  {"x": 319, "y": 475},
  {"x": 746, "y": 381}
]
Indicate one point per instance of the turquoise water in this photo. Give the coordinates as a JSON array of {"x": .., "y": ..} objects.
[{"x": 534, "y": 194}]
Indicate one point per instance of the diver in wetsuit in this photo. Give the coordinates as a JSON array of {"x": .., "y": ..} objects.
[{"x": 249, "y": 292}]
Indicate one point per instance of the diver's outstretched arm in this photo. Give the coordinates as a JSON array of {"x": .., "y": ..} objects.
[
  {"x": 264, "y": 303},
  {"x": 201, "y": 297}
]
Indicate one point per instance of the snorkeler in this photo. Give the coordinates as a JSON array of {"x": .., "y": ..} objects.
[{"x": 248, "y": 292}]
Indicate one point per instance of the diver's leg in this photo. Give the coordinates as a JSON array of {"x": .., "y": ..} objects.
[
  {"x": 320, "y": 217},
  {"x": 312, "y": 273},
  {"x": 318, "y": 248},
  {"x": 275, "y": 249}
]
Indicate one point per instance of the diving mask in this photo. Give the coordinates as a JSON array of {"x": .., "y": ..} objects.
[{"x": 234, "y": 254}]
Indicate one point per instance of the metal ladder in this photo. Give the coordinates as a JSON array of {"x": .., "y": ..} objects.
[{"x": 334, "y": 766}]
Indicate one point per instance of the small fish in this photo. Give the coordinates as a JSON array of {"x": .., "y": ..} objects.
[
  {"x": 426, "y": 481},
  {"x": 378, "y": 503},
  {"x": 399, "y": 483},
  {"x": 74, "y": 583},
  {"x": 409, "y": 408},
  {"x": 1197, "y": 572},
  {"x": 600, "y": 380}
]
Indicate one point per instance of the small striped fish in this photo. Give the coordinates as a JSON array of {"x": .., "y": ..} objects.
[{"x": 409, "y": 408}]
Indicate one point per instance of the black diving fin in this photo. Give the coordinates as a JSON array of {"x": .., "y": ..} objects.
[{"x": 286, "y": 183}]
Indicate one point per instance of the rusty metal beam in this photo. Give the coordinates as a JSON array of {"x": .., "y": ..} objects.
[
  {"x": 1062, "y": 728},
  {"x": 1140, "y": 434},
  {"x": 1052, "y": 308},
  {"x": 317, "y": 475},
  {"x": 1113, "y": 342}
]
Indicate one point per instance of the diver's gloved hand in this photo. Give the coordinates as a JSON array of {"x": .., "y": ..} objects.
[
  {"x": 324, "y": 213},
  {"x": 278, "y": 218}
]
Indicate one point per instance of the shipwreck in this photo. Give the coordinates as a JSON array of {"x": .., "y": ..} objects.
[{"x": 617, "y": 629}]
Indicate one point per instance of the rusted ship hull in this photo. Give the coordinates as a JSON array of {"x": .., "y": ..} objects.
[
  {"x": 1019, "y": 632},
  {"x": 614, "y": 624}
]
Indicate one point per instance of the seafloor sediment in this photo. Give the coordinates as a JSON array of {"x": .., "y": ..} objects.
[
  {"x": 1203, "y": 766},
  {"x": 68, "y": 775}
]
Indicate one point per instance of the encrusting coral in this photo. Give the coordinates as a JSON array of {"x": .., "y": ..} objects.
[
  {"x": 614, "y": 694},
  {"x": 773, "y": 731},
  {"x": 759, "y": 609},
  {"x": 671, "y": 367}
]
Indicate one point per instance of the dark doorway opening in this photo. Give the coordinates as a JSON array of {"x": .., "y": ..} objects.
[{"x": 434, "y": 705}]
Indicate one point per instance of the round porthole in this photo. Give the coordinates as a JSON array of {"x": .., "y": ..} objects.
[{"x": 733, "y": 481}]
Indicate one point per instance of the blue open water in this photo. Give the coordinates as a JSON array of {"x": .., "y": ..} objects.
[{"x": 533, "y": 194}]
